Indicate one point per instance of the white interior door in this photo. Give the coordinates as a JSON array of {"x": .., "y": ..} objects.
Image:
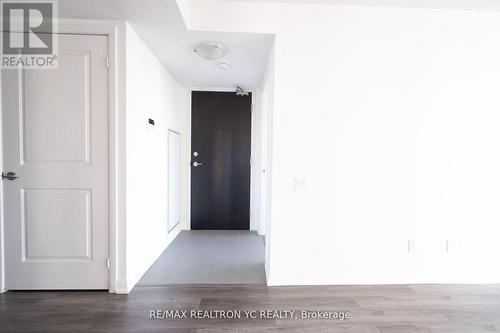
[
  {"x": 55, "y": 129},
  {"x": 174, "y": 178}
]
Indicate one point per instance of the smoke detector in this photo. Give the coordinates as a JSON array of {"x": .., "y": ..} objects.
[{"x": 223, "y": 65}]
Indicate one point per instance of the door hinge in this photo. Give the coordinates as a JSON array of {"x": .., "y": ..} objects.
[
  {"x": 106, "y": 62},
  {"x": 107, "y": 263},
  {"x": 250, "y": 214}
]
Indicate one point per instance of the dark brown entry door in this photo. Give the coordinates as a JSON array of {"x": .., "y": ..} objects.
[{"x": 220, "y": 161}]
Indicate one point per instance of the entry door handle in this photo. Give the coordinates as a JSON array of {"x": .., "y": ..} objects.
[
  {"x": 197, "y": 164},
  {"x": 9, "y": 176}
]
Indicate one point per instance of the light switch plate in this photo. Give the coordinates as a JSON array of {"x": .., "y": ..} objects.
[
  {"x": 298, "y": 184},
  {"x": 451, "y": 245},
  {"x": 412, "y": 245}
]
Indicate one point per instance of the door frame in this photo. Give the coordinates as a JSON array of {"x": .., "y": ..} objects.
[
  {"x": 186, "y": 200},
  {"x": 115, "y": 31},
  {"x": 186, "y": 220},
  {"x": 253, "y": 223}
]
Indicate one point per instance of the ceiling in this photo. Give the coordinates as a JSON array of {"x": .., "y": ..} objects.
[
  {"x": 160, "y": 25},
  {"x": 439, "y": 4}
]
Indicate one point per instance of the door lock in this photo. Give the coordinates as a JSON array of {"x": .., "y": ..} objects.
[
  {"x": 197, "y": 164},
  {"x": 9, "y": 176}
]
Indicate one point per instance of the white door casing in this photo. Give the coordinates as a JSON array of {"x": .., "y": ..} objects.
[
  {"x": 55, "y": 131},
  {"x": 174, "y": 176}
]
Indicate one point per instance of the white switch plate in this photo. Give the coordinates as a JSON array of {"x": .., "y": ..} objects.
[
  {"x": 451, "y": 245},
  {"x": 412, "y": 245},
  {"x": 298, "y": 184}
]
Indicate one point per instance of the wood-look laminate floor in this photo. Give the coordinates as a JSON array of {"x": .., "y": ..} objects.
[{"x": 374, "y": 309}]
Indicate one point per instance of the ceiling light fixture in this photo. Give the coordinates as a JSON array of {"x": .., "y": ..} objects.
[{"x": 210, "y": 50}]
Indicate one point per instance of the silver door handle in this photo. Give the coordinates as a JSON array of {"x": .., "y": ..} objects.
[
  {"x": 9, "y": 176},
  {"x": 197, "y": 164}
]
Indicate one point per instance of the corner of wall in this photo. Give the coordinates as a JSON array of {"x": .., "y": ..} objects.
[
  {"x": 147, "y": 169},
  {"x": 2, "y": 256},
  {"x": 121, "y": 287},
  {"x": 186, "y": 160},
  {"x": 185, "y": 9},
  {"x": 119, "y": 251},
  {"x": 126, "y": 286}
]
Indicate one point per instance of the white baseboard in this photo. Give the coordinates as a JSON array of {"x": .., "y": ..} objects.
[{"x": 121, "y": 287}]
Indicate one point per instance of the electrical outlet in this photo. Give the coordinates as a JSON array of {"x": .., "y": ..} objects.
[
  {"x": 298, "y": 184},
  {"x": 451, "y": 245},
  {"x": 412, "y": 246}
]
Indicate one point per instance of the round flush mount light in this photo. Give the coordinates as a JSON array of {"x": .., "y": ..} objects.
[
  {"x": 223, "y": 65},
  {"x": 210, "y": 50}
]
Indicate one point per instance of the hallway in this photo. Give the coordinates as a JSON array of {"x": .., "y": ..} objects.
[{"x": 210, "y": 257}]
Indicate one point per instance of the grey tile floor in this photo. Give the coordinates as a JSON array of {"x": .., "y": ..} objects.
[{"x": 210, "y": 257}]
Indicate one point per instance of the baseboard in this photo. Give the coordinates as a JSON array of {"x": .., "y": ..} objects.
[{"x": 121, "y": 287}]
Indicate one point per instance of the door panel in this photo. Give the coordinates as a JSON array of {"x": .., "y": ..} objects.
[
  {"x": 220, "y": 186},
  {"x": 55, "y": 224},
  {"x": 56, "y": 141}
]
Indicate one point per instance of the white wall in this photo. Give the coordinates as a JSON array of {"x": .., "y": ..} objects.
[
  {"x": 184, "y": 8},
  {"x": 268, "y": 141},
  {"x": 255, "y": 170},
  {"x": 262, "y": 150},
  {"x": 2, "y": 250},
  {"x": 261, "y": 110},
  {"x": 390, "y": 118},
  {"x": 151, "y": 93}
]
